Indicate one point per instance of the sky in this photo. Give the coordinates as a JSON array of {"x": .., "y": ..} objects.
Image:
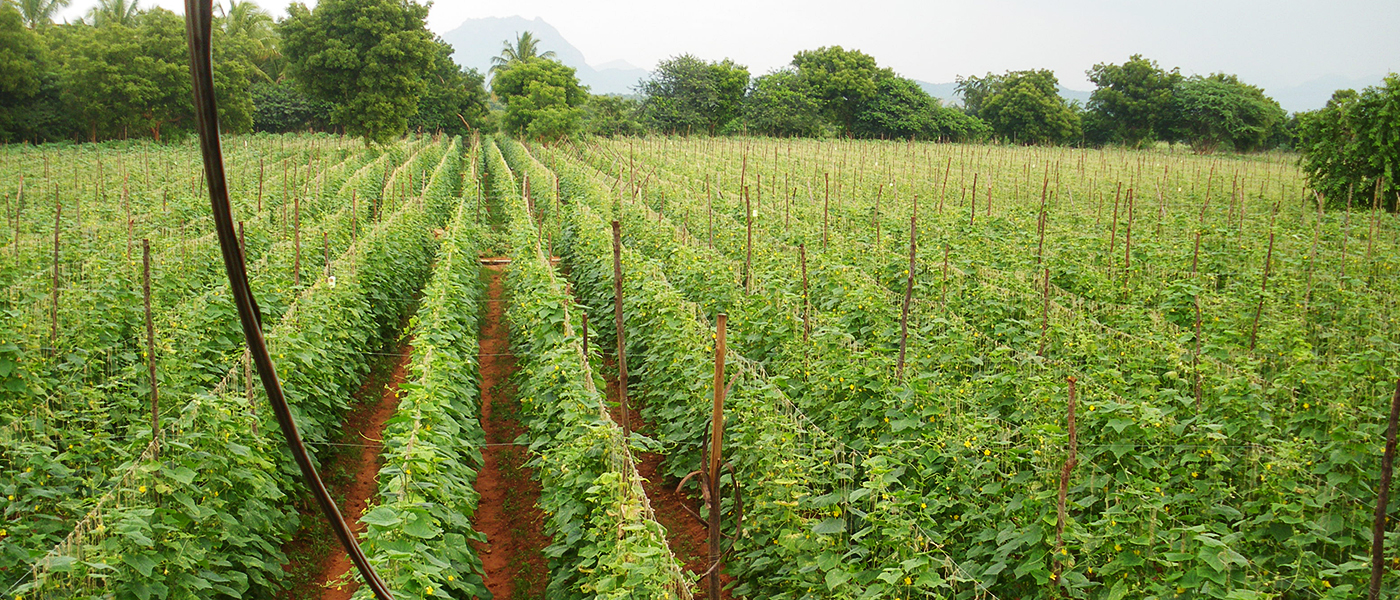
[{"x": 1271, "y": 43}]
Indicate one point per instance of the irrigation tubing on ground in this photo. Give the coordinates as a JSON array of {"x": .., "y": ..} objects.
[{"x": 199, "y": 17}]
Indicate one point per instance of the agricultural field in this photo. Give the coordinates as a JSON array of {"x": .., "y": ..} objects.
[{"x": 953, "y": 371}]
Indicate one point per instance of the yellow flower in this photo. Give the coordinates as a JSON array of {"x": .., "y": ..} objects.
[{"x": 141, "y": 489}]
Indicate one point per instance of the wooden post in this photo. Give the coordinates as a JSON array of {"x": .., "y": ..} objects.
[
  {"x": 326, "y": 250},
  {"x": 710, "y": 211},
  {"x": 150, "y": 338},
  {"x": 944, "y": 293},
  {"x": 1070, "y": 462},
  {"x": 826, "y": 210},
  {"x": 617, "y": 317},
  {"x": 1044, "y": 195},
  {"x": 972, "y": 216},
  {"x": 53, "y": 329},
  {"x": 908, "y": 295},
  {"x": 260, "y": 183},
  {"x": 1263, "y": 290},
  {"x": 1128, "y": 238},
  {"x": 296, "y": 241},
  {"x": 1113, "y": 235},
  {"x": 585, "y": 334},
  {"x": 716, "y": 452},
  {"x": 748, "y": 244},
  {"x": 1196, "y": 354},
  {"x": 1045, "y": 313},
  {"x": 1378, "y": 529},
  {"x": 806, "y": 303}
]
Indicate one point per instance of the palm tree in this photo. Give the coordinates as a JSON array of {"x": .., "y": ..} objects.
[
  {"x": 38, "y": 13},
  {"x": 247, "y": 21},
  {"x": 123, "y": 12},
  {"x": 526, "y": 47}
]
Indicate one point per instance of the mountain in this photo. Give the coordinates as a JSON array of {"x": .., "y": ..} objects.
[
  {"x": 475, "y": 41},
  {"x": 1314, "y": 94},
  {"x": 947, "y": 93}
]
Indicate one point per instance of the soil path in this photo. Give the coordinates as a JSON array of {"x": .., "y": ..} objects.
[
  {"x": 507, "y": 513},
  {"x": 355, "y": 470}
]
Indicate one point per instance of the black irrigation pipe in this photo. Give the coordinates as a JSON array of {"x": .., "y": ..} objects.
[{"x": 199, "y": 18}]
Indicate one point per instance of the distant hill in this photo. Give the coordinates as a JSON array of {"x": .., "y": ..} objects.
[
  {"x": 947, "y": 93},
  {"x": 475, "y": 41},
  {"x": 1314, "y": 94}
]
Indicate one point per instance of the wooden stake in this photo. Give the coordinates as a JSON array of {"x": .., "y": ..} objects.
[
  {"x": 617, "y": 316},
  {"x": 748, "y": 245},
  {"x": 806, "y": 303},
  {"x": 908, "y": 295},
  {"x": 1263, "y": 290},
  {"x": 150, "y": 338},
  {"x": 296, "y": 244},
  {"x": 716, "y": 452},
  {"x": 1196, "y": 354},
  {"x": 1378, "y": 528},
  {"x": 1045, "y": 313},
  {"x": 1070, "y": 462},
  {"x": 57, "y": 215}
]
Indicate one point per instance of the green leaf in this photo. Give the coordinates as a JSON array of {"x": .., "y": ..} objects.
[
  {"x": 836, "y": 578},
  {"x": 382, "y": 516},
  {"x": 829, "y": 526}
]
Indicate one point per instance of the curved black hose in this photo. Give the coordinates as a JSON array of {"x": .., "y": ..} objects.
[{"x": 199, "y": 18}]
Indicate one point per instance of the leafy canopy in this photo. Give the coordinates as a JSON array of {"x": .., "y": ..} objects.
[
  {"x": 1352, "y": 146},
  {"x": 525, "y": 48},
  {"x": 782, "y": 104},
  {"x": 1026, "y": 107},
  {"x": 1132, "y": 102},
  {"x": 368, "y": 57},
  {"x": 542, "y": 97},
  {"x": 688, "y": 94},
  {"x": 841, "y": 79},
  {"x": 1220, "y": 111}
]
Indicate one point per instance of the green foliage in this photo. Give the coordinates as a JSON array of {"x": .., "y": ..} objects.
[
  {"x": 367, "y": 57},
  {"x": 1219, "y": 111},
  {"x": 417, "y": 534},
  {"x": 542, "y": 97},
  {"x": 1026, "y": 107},
  {"x": 1354, "y": 142},
  {"x": 686, "y": 94},
  {"x": 606, "y": 544},
  {"x": 454, "y": 95},
  {"x": 25, "y": 79},
  {"x": 39, "y": 13},
  {"x": 841, "y": 79},
  {"x": 282, "y": 107},
  {"x": 782, "y": 104},
  {"x": 611, "y": 116},
  {"x": 1132, "y": 102},
  {"x": 900, "y": 109},
  {"x": 525, "y": 48}
]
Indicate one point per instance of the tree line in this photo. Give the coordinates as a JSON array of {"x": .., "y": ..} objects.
[
  {"x": 122, "y": 71},
  {"x": 370, "y": 68}
]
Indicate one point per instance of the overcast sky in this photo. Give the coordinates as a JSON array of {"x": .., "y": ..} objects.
[{"x": 1273, "y": 43}]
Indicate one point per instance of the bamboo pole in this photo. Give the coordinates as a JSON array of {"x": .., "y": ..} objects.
[
  {"x": 150, "y": 338},
  {"x": 1378, "y": 528},
  {"x": 716, "y": 451},
  {"x": 617, "y": 317}
]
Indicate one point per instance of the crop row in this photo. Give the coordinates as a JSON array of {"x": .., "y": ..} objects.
[{"x": 606, "y": 543}]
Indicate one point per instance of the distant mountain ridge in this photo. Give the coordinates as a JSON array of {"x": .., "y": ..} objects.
[{"x": 475, "y": 41}]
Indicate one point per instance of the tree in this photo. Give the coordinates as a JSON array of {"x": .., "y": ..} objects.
[
  {"x": 121, "y": 80},
  {"x": 612, "y": 116},
  {"x": 1220, "y": 111},
  {"x": 1132, "y": 101},
  {"x": 119, "y": 12},
  {"x": 1026, "y": 107},
  {"x": 687, "y": 94},
  {"x": 366, "y": 57},
  {"x": 841, "y": 79},
  {"x": 22, "y": 73},
  {"x": 782, "y": 104},
  {"x": 38, "y": 13},
  {"x": 975, "y": 90},
  {"x": 282, "y": 107},
  {"x": 1353, "y": 142},
  {"x": 525, "y": 48},
  {"x": 249, "y": 26},
  {"x": 454, "y": 95},
  {"x": 542, "y": 97}
]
